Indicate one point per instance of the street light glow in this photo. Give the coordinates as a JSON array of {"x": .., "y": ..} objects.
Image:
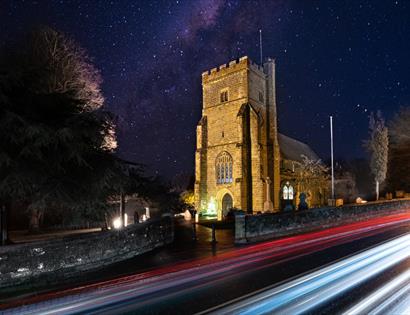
[{"x": 117, "y": 222}]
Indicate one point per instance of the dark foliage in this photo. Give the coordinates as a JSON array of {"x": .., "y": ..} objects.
[
  {"x": 55, "y": 141},
  {"x": 398, "y": 177},
  {"x": 163, "y": 194}
]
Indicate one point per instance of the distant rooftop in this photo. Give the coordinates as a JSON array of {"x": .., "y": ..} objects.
[{"x": 292, "y": 149}]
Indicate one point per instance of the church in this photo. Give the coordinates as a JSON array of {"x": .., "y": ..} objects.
[{"x": 241, "y": 160}]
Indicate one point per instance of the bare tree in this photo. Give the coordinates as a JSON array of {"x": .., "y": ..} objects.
[
  {"x": 311, "y": 173},
  {"x": 378, "y": 147},
  {"x": 62, "y": 66}
]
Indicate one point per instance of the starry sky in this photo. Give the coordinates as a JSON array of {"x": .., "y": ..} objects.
[{"x": 340, "y": 58}]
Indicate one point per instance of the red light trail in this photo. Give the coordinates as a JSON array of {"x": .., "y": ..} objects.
[{"x": 204, "y": 271}]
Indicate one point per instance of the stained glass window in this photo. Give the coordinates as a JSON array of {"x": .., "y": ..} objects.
[
  {"x": 288, "y": 192},
  {"x": 224, "y": 168}
]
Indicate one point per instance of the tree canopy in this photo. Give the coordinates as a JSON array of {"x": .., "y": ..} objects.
[
  {"x": 56, "y": 141},
  {"x": 399, "y": 155}
]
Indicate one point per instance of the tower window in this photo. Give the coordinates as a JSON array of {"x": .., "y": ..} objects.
[
  {"x": 224, "y": 168},
  {"x": 260, "y": 96},
  {"x": 224, "y": 96}
]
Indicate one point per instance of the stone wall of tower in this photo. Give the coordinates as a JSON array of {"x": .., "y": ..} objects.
[
  {"x": 240, "y": 126},
  {"x": 257, "y": 163},
  {"x": 201, "y": 163},
  {"x": 257, "y": 99},
  {"x": 224, "y": 127},
  {"x": 272, "y": 141}
]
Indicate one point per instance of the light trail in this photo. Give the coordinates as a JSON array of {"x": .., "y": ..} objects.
[
  {"x": 314, "y": 289},
  {"x": 403, "y": 306},
  {"x": 159, "y": 283},
  {"x": 392, "y": 298}
]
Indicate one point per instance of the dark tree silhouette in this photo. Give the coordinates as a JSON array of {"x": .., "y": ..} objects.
[
  {"x": 398, "y": 177},
  {"x": 56, "y": 141}
]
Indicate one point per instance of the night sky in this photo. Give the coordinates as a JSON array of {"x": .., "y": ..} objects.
[{"x": 340, "y": 58}]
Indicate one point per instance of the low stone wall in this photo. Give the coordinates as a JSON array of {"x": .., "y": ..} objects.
[
  {"x": 65, "y": 257},
  {"x": 253, "y": 228}
]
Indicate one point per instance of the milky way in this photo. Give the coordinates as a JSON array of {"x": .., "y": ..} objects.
[{"x": 340, "y": 58}]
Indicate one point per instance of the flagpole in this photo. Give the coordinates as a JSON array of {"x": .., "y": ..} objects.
[
  {"x": 331, "y": 157},
  {"x": 260, "y": 46}
]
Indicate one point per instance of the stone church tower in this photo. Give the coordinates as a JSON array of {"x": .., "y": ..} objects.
[{"x": 237, "y": 156}]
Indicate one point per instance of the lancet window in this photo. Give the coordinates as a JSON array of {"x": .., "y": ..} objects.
[{"x": 224, "y": 168}]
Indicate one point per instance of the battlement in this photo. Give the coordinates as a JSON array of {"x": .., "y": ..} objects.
[
  {"x": 256, "y": 67},
  {"x": 234, "y": 65}
]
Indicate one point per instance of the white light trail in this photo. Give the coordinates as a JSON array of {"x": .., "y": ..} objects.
[
  {"x": 382, "y": 299},
  {"x": 403, "y": 307},
  {"x": 314, "y": 289}
]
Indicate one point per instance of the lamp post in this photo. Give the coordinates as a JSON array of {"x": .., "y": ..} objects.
[
  {"x": 122, "y": 210},
  {"x": 3, "y": 225}
]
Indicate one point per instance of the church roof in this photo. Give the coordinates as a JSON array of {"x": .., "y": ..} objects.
[{"x": 292, "y": 149}]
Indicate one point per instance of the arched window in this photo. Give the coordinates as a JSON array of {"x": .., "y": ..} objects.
[
  {"x": 224, "y": 168},
  {"x": 285, "y": 192},
  {"x": 288, "y": 192}
]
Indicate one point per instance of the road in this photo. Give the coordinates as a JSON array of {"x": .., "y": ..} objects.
[{"x": 320, "y": 272}]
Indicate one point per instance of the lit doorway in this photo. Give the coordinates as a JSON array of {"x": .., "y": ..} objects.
[{"x": 227, "y": 204}]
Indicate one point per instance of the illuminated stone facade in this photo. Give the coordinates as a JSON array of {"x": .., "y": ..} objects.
[
  {"x": 238, "y": 121},
  {"x": 237, "y": 160}
]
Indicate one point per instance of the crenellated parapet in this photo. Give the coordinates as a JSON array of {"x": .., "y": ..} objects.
[
  {"x": 256, "y": 67},
  {"x": 232, "y": 66}
]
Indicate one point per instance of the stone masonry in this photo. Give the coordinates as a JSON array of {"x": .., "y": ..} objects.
[
  {"x": 255, "y": 228},
  {"x": 38, "y": 263},
  {"x": 244, "y": 126}
]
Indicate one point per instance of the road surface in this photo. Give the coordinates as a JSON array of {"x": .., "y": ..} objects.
[{"x": 321, "y": 272}]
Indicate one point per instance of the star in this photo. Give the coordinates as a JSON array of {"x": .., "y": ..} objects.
[{"x": 330, "y": 59}]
